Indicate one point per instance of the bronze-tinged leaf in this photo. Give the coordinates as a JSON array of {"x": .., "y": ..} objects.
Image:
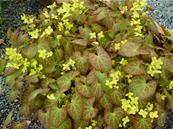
[
  {"x": 162, "y": 114},
  {"x": 134, "y": 68},
  {"x": 75, "y": 108},
  {"x": 53, "y": 118},
  {"x": 130, "y": 49},
  {"x": 67, "y": 124},
  {"x": 84, "y": 90},
  {"x": 97, "y": 90},
  {"x": 116, "y": 96},
  {"x": 64, "y": 82},
  {"x": 81, "y": 62},
  {"x": 91, "y": 77},
  {"x": 68, "y": 49},
  {"x": 141, "y": 88},
  {"x": 37, "y": 92},
  {"x": 20, "y": 125},
  {"x": 13, "y": 95},
  {"x": 105, "y": 102},
  {"x": 89, "y": 111},
  {"x": 84, "y": 32},
  {"x": 167, "y": 64},
  {"x": 100, "y": 13},
  {"x": 30, "y": 51},
  {"x": 81, "y": 42},
  {"x": 114, "y": 118},
  {"x": 141, "y": 123},
  {"x": 101, "y": 61}
]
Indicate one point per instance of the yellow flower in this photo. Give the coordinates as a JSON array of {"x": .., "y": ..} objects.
[
  {"x": 113, "y": 81},
  {"x": 52, "y": 6},
  {"x": 155, "y": 66},
  {"x": 123, "y": 62},
  {"x": 44, "y": 54},
  {"x": 143, "y": 113},
  {"x": 124, "y": 9},
  {"x": 117, "y": 46},
  {"x": 46, "y": 14},
  {"x": 69, "y": 65},
  {"x": 130, "y": 105},
  {"x": 92, "y": 35},
  {"x": 162, "y": 96},
  {"x": 27, "y": 19},
  {"x": 47, "y": 31},
  {"x": 170, "y": 86},
  {"x": 100, "y": 35},
  {"x": 149, "y": 107},
  {"x": 51, "y": 96},
  {"x": 34, "y": 34},
  {"x": 125, "y": 121},
  {"x": 123, "y": 42},
  {"x": 153, "y": 114}
]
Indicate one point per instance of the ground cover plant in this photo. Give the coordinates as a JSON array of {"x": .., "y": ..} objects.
[{"x": 91, "y": 64}]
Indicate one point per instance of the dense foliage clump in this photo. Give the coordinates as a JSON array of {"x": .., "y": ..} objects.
[{"x": 91, "y": 64}]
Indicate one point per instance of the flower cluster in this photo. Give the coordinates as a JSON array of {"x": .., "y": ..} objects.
[
  {"x": 117, "y": 46},
  {"x": 112, "y": 82},
  {"x": 155, "y": 66},
  {"x": 44, "y": 54},
  {"x": 148, "y": 111},
  {"x": 15, "y": 60},
  {"x": 58, "y": 17},
  {"x": 68, "y": 66},
  {"x": 136, "y": 10},
  {"x": 170, "y": 86},
  {"x": 125, "y": 120},
  {"x": 123, "y": 9},
  {"x": 93, "y": 124},
  {"x": 130, "y": 105}
]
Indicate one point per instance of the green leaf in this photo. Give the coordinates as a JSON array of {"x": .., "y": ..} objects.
[
  {"x": 13, "y": 95},
  {"x": 84, "y": 90},
  {"x": 101, "y": 77},
  {"x": 81, "y": 42},
  {"x": 149, "y": 40},
  {"x": 102, "y": 61},
  {"x": 81, "y": 62},
  {"x": 84, "y": 32},
  {"x": 30, "y": 51},
  {"x": 53, "y": 118},
  {"x": 105, "y": 102},
  {"x": 75, "y": 108},
  {"x": 130, "y": 49},
  {"x": 141, "y": 88},
  {"x": 141, "y": 123},
  {"x": 116, "y": 97},
  {"x": 64, "y": 82},
  {"x": 91, "y": 78},
  {"x": 97, "y": 90},
  {"x": 134, "y": 68},
  {"x": 67, "y": 124},
  {"x": 114, "y": 118},
  {"x": 8, "y": 119},
  {"x": 167, "y": 64},
  {"x": 89, "y": 111},
  {"x": 20, "y": 125},
  {"x": 2, "y": 65},
  {"x": 37, "y": 92}
]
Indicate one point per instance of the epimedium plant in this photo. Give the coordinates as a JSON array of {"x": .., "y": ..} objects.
[{"x": 91, "y": 64}]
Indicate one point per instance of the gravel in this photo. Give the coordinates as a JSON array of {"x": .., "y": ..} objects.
[{"x": 163, "y": 14}]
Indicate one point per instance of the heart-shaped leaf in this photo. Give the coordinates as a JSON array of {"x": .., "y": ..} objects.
[
  {"x": 53, "y": 118},
  {"x": 20, "y": 125},
  {"x": 81, "y": 42},
  {"x": 89, "y": 111},
  {"x": 105, "y": 102},
  {"x": 30, "y": 51},
  {"x": 130, "y": 49},
  {"x": 67, "y": 124},
  {"x": 167, "y": 64},
  {"x": 81, "y": 62},
  {"x": 116, "y": 97},
  {"x": 97, "y": 90},
  {"x": 101, "y": 61},
  {"x": 114, "y": 118},
  {"x": 141, "y": 123},
  {"x": 64, "y": 82},
  {"x": 75, "y": 108},
  {"x": 84, "y": 90},
  {"x": 134, "y": 68},
  {"x": 141, "y": 88}
]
